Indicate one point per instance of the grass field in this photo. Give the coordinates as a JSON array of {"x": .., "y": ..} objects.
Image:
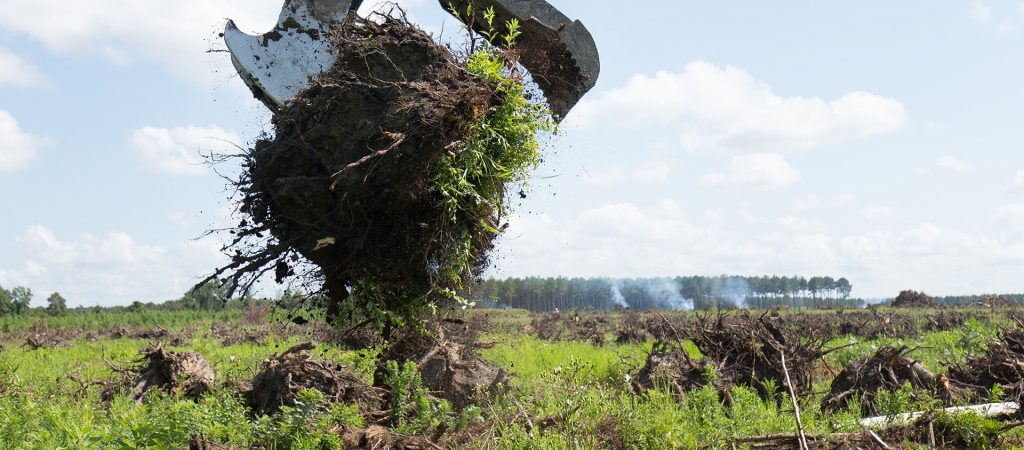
[{"x": 563, "y": 393}]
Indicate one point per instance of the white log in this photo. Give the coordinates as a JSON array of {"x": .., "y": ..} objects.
[{"x": 986, "y": 410}]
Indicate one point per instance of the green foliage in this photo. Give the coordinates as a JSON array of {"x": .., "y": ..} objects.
[
  {"x": 970, "y": 430},
  {"x": 56, "y": 305},
  {"x": 21, "y": 297},
  {"x": 6, "y": 304},
  {"x": 502, "y": 147},
  {"x": 211, "y": 295},
  {"x": 412, "y": 411}
]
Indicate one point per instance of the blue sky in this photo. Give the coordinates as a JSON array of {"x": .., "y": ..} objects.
[{"x": 879, "y": 141}]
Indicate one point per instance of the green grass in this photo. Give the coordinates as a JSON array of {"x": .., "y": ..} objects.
[{"x": 574, "y": 393}]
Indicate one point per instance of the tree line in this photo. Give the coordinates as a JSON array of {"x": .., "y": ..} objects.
[
  {"x": 17, "y": 301},
  {"x": 689, "y": 292}
]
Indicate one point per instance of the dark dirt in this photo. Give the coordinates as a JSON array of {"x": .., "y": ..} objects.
[
  {"x": 345, "y": 181},
  {"x": 179, "y": 373},
  {"x": 283, "y": 376},
  {"x": 888, "y": 369}
]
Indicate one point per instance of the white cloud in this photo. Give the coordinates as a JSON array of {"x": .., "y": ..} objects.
[
  {"x": 718, "y": 107},
  {"x": 878, "y": 212},
  {"x": 179, "y": 150},
  {"x": 953, "y": 164},
  {"x": 626, "y": 239},
  {"x": 761, "y": 170},
  {"x": 1012, "y": 213},
  {"x": 18, "y": 72},
  {"x": 980, "y": 11},
  {"x": 648, "y": 172},
  {"x": 17, "y": 147},
  {"x": 111, "y": 269},
  {"x": 174, "y": 34},
  {"x": 1018, "y": 180}
]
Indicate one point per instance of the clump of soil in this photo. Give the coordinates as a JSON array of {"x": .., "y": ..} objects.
[
  {"x": 888, "y": 369},
  {"x": 346, "y": 181},
  {"x": 198, "y": 442},
  {"x": 945, "y": 321},
  {"x": 179, "y": 373},
  {"x": 449, "y": 369},
  {"x": 913, "y": 299},
  {"x": 571, "y": 327},
  {"x": 1001, "y": 365},
  {"x": 671, "y": 365},
  {"x": 632, "y": 329},
  {"x": 283, "y": 376},
  {"x": 378, "y": 438}
]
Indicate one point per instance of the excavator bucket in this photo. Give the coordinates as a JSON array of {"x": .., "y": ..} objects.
[{"x": 559, "y": 53}]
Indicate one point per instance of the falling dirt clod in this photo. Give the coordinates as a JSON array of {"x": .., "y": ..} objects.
[
  {"x": 283, "y": 376},
  {"x": 179, "y": 373}
]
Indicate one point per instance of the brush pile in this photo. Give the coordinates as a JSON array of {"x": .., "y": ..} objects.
[
  {"x": 1002, "y": 365},
  {"x": 740, "y": 350},
  {"x": 913, "y": 299},
  {"x": 888, "y": 369}
]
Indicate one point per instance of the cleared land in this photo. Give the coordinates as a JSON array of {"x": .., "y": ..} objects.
[{"x": 611, "y": 380}]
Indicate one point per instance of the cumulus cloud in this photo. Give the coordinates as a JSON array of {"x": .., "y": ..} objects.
[
  {"x": 17, "y": 147},
  {"x": 647, "y": 172},
  {"x": 173, "y": 34},
  {"x": 114, "y": 268},
  {"x": 1018, "y": 181},
  {"x": 980, "y": 11},
  {"x": 15, "y": 71},
  {"x": 953, "y": 164},
  {"x": 759, "y": 170},
  {"x": 629, "y": 239},
  {"x": 179, "y": 150},
  {"x": 878, "y": 212},
  {"x": 717, "y": 107}
]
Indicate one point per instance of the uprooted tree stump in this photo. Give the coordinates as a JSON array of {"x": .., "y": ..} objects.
[
  {"x": 449, "y": 369},
  {"x": 377, "y": 437},
  {"x": 672, "y": 366},
  {"x": 888, "y": 369},
  {"x": 1002, "y": 364},
  {"x": 385, "y": 174},
  {"x": 178, "y": 373},
  {"x": 741, "y": 350},
  {"x": 283, "y": 376}
]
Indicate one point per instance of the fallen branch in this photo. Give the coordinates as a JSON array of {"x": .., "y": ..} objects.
[
  {"x": 985, "y": 410},
  {"x": 796, "y": 404}
]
